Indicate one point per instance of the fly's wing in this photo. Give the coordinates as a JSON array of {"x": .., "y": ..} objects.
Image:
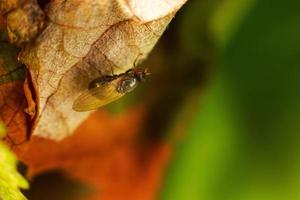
[{"x": 96, "y": 97}]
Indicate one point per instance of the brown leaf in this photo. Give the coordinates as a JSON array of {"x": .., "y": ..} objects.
[
  {"x": 30, "y": 110},
  {"x": 12, "y": 105},
  {"x": 12, "y": 99},
  {"x": 24, "y": 23},
  {"x": 108, "y": 156},
  {"x": 1, "y": 22},
  {"x": 8, "y": 5},
  {"x": 83, "y": 40}
]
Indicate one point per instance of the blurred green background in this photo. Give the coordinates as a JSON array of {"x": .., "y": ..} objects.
[{"x": 242, "y": 139}]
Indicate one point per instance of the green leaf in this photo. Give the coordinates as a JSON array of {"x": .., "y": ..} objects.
[
  {"x": 208, "y": 149},
  {"x": 244, "y": 141},
  {"x": 10, "y": 179},
  {"x": 227, "y": 17},
  {"x": 2, "y": 133}
]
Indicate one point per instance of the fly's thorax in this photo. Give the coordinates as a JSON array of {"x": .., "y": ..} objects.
[
  {"x": 123, "y": 83},
  {"x": 127, "y": 84}
]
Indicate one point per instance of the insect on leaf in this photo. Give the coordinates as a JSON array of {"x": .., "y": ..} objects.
[{"x": 99, "y": 96}]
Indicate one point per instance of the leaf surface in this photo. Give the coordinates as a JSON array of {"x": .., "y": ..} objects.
[{"x": 82, "y": 41}]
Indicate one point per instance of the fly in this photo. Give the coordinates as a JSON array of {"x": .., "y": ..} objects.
[{"x": 107, "y": 89}]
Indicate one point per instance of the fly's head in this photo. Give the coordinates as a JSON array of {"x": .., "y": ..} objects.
[{"x": 141, "y": 74}]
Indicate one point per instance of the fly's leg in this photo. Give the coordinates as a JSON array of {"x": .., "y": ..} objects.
[
  {"x": 137, "y": 61},
  {"x": 112, "y": 71}
]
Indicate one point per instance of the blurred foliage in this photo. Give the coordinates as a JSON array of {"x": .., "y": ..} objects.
[
  {"x": 2, "y": 133},
  {"x": 243, "y": 142},
  {"x": 226, "y": 17},
  {"x": 10, "y": 179}
]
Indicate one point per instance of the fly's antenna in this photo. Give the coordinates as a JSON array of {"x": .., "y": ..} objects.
[{"x": 112, "y": 71}]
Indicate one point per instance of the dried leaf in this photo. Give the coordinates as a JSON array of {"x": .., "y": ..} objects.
[
  {"x": 1, "y": 22},
  {"x": 24, "y": 23},
  {"x": 30, "y": 110},
  {"x": 12, "y": 105},
  {"x": 85, "y": 39},
  {"x": 121, "y": 167},
  {"x": 12, "y": 99},
  {"x": 8, "y": 5}
]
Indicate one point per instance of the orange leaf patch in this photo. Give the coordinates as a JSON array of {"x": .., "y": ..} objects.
[
  {"x": 106, "y": 153},
  {"x": 12, "y": 105}
]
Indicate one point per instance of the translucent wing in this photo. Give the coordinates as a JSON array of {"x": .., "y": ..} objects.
[{"x": 97, "y": 97}]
